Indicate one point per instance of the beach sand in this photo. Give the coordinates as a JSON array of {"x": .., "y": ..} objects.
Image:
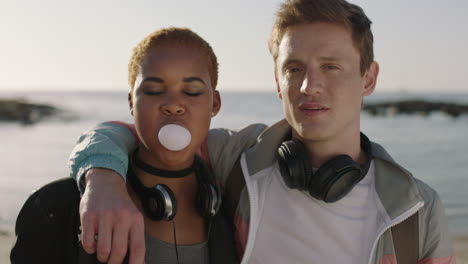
[
  {"x": 460, "y": 247},
  {"x": 7, "y": 238}
]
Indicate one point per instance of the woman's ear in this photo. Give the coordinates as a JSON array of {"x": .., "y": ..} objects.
[
  {"x": 130, "y": 102},
  {"x": 216, "y": 103}
]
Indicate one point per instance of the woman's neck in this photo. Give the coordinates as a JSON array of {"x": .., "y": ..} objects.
[
  {"x": 191, "y": 227},
  {"x": 184, "y": 184}
]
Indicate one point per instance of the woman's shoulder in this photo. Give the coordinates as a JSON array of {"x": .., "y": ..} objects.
[
  {"x": 57, "y": 199},
  {"x": 60, "y": 192},
  {"x": 47, "y": 224},
  {"x": 63, "y": 185}
]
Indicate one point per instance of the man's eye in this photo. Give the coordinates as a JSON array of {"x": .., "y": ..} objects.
[
  {"x": 294, "y": 70},
  {"x": 331, "y": 67}
]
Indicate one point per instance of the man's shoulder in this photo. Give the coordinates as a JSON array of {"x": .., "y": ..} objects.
[
  {"x": 378, "y": 151},
  {"x": 428, "y": 193},
  {"x": 385, "y": 162},
  {"x": 390, "y": 168}
]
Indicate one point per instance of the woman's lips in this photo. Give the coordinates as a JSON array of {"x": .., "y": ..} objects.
[{"x": 175, "y": 122}]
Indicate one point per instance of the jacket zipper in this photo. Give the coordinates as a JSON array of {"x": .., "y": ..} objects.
[
  {"x": 247, "y": 244},
  {"x": 398, "y": 220}
]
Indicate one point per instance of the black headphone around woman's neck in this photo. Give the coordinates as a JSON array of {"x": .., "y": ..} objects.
[
  {"x": 332, "y": 181},
  {"x": 159, "y": 202}
]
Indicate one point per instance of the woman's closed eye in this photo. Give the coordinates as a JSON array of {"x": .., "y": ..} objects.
[
  {"x": 153, "y": 92},
  {"x": 193, "y": 89},
  {"x": 193, "y": 93}
]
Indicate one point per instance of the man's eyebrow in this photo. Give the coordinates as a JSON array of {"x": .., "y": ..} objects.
[
  {"x": 292, "y": 61},
  {"x": 329, "y": 58},
  {"x": 153, "y": 79},
  {"x": 298, "y": 61},
  {"x": 193, "y": 79}
]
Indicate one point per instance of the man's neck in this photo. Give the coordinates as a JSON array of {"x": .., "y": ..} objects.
[{"x": 321, "y": 151}]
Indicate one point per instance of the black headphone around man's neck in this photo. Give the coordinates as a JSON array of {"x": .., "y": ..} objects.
[{"x": 332, "y": 181}]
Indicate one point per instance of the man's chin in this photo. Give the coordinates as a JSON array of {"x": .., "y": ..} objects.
[
  {"x": 307, "y": 130},
  {"x": 311, "y": 134}
]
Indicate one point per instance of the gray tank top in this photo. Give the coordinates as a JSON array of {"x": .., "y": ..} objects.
[{"x": 160, "y": 252}]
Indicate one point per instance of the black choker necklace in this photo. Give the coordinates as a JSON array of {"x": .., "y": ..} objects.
[{"x": 159, "y": 172}]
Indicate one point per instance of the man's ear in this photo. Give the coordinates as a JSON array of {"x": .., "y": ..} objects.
[
  {"x": 370, "y": 79},
  {"x": 216, "y": 103},
  {"x": 130, "y": 102},
  {"x": 278, "y": 88}
]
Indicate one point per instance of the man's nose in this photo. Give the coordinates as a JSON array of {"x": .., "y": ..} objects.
[{"x": 312, "y": 83}]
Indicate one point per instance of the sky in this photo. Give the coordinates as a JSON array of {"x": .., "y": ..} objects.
[{"x": 421, "y": 45}]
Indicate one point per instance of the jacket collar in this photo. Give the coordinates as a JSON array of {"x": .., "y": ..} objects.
[{"x": 395, "y": 185}]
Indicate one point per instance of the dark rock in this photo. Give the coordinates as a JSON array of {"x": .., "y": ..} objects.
[
  {"x": 18, "y": 110},
  {"x": 415, "y": 107}
]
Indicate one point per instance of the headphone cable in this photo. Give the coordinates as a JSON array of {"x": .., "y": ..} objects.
[{"x": 175, "y": 240}]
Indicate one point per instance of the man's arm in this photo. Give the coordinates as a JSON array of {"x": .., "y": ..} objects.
[
  {"x": 100, "y": 161},
  {"x": 106, "y": 208},
  {"x": 105, "y": 146}
]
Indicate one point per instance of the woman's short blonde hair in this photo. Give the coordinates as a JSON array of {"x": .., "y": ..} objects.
[{"x": 173, "y": 36}]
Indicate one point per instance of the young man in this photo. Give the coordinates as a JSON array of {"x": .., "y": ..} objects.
[{"x": 316, "y": 190}]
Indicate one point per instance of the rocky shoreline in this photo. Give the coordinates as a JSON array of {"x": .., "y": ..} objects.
[
  {"x": 27, "y": 113},
  {"x": 421, "y": 107}
]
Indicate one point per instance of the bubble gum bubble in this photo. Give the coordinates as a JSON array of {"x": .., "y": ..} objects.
[{"x": 174, "y": 137}]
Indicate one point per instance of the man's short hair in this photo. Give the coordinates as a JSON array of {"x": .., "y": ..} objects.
[
  {"x": 173, "y": 36},
  {"x": 339, "y": 12}
]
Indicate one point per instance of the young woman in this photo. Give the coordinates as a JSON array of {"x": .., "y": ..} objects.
[{"x": 173, "y": 77}]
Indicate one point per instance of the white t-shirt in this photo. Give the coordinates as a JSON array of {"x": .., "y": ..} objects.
[{"x": 296, "y": 228}]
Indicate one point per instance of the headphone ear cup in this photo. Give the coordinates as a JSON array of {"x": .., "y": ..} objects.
[
  {"x": 160, "y": 203},
  {"x": 294, "y": 164},
  {"x": 218, "y": 199},
  {"x": 334, "y": 179},
  {"x": 209, "y": 195},
  {"x": 208, "y": 200}
]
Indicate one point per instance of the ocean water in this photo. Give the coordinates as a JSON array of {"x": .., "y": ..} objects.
[{"x": 434, "y": 147}]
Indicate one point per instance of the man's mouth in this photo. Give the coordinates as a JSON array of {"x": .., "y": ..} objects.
[{"x": 313, "y": 108}]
